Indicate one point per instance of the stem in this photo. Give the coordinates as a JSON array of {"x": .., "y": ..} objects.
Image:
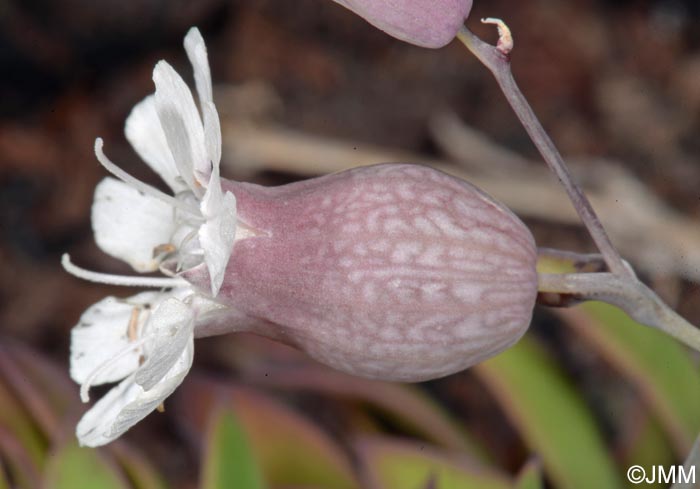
[
  {"x": 632, "y": 296},
  {"x": 619, "y": 286},
  {"x": 497, "y": 60}
]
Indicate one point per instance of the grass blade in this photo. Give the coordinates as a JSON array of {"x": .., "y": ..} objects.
[
  {"x": 406, "y": 404},
  {"x": 3, "y": 480},
  {"x": 530, "y": 476},
  {"x": 394, "y": 464},
  {"x": 229, "y": 461},
  {"x": 661, "y": 369},
  {"x": 72, "y": 467},
  {"x": 551, "y": 417},
  {"x": 292, "y": 451},
  {"x": 136, "y": 466}
]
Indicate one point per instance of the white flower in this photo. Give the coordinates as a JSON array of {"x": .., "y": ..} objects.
[
  {"x": 131, "y": 219},
  {"x": 147, "y": 341}
]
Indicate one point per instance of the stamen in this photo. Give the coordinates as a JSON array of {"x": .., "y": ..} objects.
[
  {"x": 138, "y": 184},
  {"x": 132, "y": 328},
  {"x": 123, "y": 280},
  {"x": 189, "y": 237},
  {"x": 85, "y": 386},
  {"x": 163, "y": 249},
  {"x": 184, "y": 252}
]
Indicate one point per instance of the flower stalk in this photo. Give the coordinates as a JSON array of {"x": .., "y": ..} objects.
[
  {"x": 632, "y": 296},
  {"x": 497, "y": 60},
  {"x": 618, "y": 285}
]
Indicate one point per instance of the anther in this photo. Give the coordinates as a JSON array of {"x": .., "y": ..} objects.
[
  {"x": 132, "y": 329},
  {"x": 163, "y": 249}
]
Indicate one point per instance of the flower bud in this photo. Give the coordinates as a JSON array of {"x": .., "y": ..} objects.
[
  {"x": 426, "y": 23},
  {"x": 396, "y": 272}
]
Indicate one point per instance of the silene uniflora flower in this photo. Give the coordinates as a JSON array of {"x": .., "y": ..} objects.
[
  {"x": 146, "y": 341},
  {"x": 394, "y": 272}
]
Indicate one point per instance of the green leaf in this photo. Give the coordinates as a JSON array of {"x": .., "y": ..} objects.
[
  {"x": 659, "y": 367},
  {"x": 47, "y": 391},
  {"x": 228, "y": 459},
  {"x": 292, "y": 451},
  {"x": 14, "y": 421},
  {"x": 22, "y": 448},
  {"x": 136, "y": 466},
  {"x": 407, "y": 405},
  {"x": 647, "y": 446},
  {"x": 391, "y": 464},
  {"x": 27, "y": 389},
  {"x": 550, "y": 416},
  {"x": 530, "y": 476},
  {"x": 3, "y": 480},
  {"x": 73, "y": 467},
  {"x": 549, "y": 264},
  {"x": 18, "y": 463}
]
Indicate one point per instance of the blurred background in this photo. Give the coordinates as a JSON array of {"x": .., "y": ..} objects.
[{"x": 305, "y": 88}]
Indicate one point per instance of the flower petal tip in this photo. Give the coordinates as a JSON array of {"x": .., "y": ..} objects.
[{"x": 194, "y": 38}]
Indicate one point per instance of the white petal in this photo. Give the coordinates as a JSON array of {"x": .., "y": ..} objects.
[
  {"x": 128, "y": 403},
  {"x": 212, "y": 133},
  {"x": 95, "y": 427},
  {"x": 129, "y": 225},
  {"x": 169, "y": 331},
  {"x": 145, "y": 133},
  {"x": 218, "y": 233},
  {"x": 102, "y": 333},
  {"x": 197, "y": 54},
  {"x": 206, "y": 308},
  {"x": 182, "y": 125}
]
